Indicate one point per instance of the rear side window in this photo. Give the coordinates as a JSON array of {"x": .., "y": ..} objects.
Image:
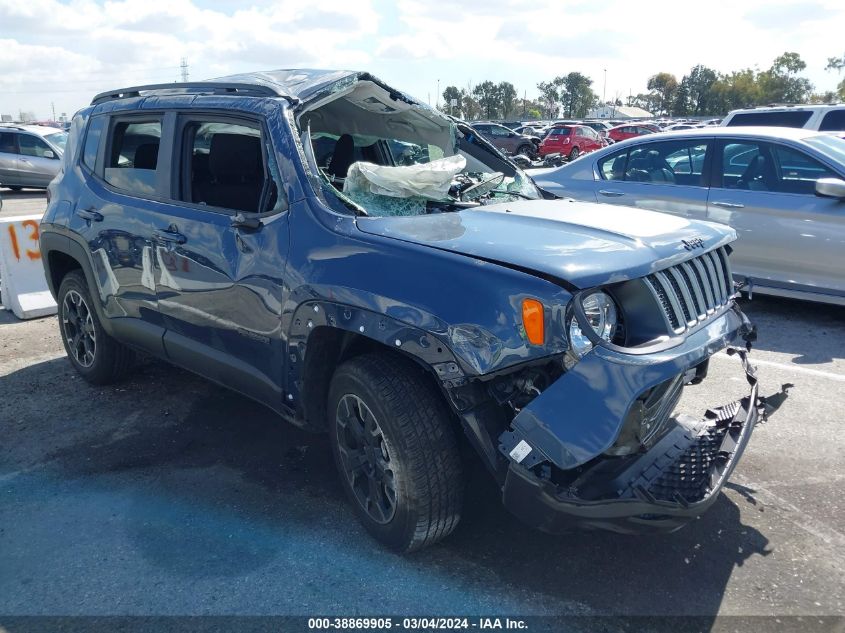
[
  {"x": 8, "y": 143},
  {"x": 613, "y": 167},
  {"x": 833, "y": 121},
  {"x": 786, "y": 118},
  {"x": 133, "y": 156},
  {"x": 92, "y": 141}
]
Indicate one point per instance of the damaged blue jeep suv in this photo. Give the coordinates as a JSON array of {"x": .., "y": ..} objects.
[{"x": 370, "y": 268}]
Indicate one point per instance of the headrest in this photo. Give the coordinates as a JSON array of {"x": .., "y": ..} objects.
[
  {"x": 146, "y": 156},
  {"x": 235, "y": 157}
]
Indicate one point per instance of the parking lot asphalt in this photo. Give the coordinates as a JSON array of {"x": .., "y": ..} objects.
[{"x": 166, "y": 494}]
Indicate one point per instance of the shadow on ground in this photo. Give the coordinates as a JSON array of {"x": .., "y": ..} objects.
[{"x": 187, "y": 443}]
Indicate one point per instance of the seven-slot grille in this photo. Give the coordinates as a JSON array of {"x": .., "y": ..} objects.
[{"x": 693, "y": 290}]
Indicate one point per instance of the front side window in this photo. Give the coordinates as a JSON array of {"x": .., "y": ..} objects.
[
  {"x": 133, "y": 156},
  {"x": 226, "y": 168},
  {"x": 797, "y": 172},
  {"x": 33, "y": 146}
]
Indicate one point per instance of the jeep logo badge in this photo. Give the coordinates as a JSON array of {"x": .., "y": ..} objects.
[{"x": 695, "y": 242}]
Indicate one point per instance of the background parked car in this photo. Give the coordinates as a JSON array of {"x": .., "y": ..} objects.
[
  {"x": 630, "y": 130},
  {"x": 530, "y": 130},
  {"x": 30, "y": 155},
  {"x": 506, "y": 139},
  {"x": 571, "y": 141},
  {"x": 825, "y": 118},
  {"x": 602, "y": 127},
  {"x": 783, "y": 190}
]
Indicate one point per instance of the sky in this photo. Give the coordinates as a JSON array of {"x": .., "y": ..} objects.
[{"x": 59, "y": 54}]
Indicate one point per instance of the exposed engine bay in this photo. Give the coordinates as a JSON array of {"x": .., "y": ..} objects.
[{"x": 381, "y": 153}]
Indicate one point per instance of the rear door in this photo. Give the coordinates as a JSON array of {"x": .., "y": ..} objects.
[
  {"x": 666, "y": 176},
  {"x": 220, "y": 288},
  {"x": 124, "y": 162},
  {"x": 39, "y": 164},
  {"x": 788, "y": 237}
]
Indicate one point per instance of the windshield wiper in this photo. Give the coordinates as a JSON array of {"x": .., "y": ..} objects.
[{"x": 512, "y": 193}]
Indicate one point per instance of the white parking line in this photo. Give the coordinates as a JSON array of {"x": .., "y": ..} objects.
[{"x": 788, "y": 368}]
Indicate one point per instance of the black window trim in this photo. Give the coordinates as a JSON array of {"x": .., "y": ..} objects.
[
  {"x": 164, "y": 151},
  {"x": 181, "y": 150}
]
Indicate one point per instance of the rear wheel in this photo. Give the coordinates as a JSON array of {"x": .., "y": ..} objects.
[
  {"x": 98, "y": 357},
  {"x": 394, "y": 446},
  {"x": 574, "y": 153}
]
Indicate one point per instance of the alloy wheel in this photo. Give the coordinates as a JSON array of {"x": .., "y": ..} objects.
[
  {"x": 365, "y": 456},
  {"x": 78, "y": 328}
]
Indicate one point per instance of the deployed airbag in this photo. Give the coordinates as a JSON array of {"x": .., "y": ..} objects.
[{"x": 425, "y": 180}]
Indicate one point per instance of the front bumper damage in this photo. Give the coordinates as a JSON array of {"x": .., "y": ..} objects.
[{"x": 568, "y": 429}]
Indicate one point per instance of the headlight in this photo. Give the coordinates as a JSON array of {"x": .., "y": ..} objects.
[{"x": 603, "y": 318}]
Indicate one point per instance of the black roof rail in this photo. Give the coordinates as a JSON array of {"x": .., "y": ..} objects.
[{"x": 194, "y": 87}]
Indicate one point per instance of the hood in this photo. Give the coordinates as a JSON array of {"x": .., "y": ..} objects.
[{"x": 583, "y": 244}]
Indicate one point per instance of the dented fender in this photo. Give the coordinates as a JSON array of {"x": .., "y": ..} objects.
[{"x": 579, "y": 416}]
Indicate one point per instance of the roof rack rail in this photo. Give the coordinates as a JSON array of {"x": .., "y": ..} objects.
[{"x": 194, "y": 87}]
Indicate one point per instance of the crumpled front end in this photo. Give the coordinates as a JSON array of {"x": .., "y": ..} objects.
[{"x": 599, "y": 448}]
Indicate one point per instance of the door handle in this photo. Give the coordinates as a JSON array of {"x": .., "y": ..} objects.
[
  {"x": 166, "y": 235},
  {"x": 90, "y": 214},
  {"x": 728, "y": 205},
  {"x": 611, "y": 194},
  {"x": 23, "y": 160}
]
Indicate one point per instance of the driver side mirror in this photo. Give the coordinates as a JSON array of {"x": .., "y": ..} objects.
[
  {"x": 49, "y": 154},
  {"x": 831, "y": 188}
]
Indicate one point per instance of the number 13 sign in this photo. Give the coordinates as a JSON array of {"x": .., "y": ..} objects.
[{"x": 22, "y": 281}]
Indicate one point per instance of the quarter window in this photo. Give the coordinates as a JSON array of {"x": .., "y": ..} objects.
[
  {"x": 133, "y": 157},
  {"x": 92, "y": 141}
]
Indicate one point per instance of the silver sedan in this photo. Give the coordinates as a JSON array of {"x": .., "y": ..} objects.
[{"x": 782, "y": 189}]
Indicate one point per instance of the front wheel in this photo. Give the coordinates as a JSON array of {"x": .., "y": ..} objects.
[
  {"x": 394, "y": 446},
  {"x": 98, "y": 357}
]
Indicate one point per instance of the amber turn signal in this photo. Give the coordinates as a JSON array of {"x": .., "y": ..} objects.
[{"x": 532, "y": 320}]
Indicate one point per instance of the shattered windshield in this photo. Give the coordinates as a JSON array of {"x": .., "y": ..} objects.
[{"x": 381, "y": 153}]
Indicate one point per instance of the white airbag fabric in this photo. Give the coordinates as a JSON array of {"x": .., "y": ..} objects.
[{"x": 426, "y": 180}]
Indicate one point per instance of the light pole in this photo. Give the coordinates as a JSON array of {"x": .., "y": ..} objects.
[
  {"x": 438, "y": 95},
  {"x": 604, "y": 90}
]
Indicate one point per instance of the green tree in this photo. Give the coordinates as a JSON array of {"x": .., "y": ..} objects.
[
  {"x": 488, "y": 98},
  {"x": 451, "y": 92},
  {"x": 781, "y": 83},
  {"x": 837, "y": 64},
  {"x": 470, "y": 108},
  {"x": 663, "y": 87},
  {"x": 507, "y": 98},
  {"x": 549, "y": 96},
  {"x": 700, "y": 83},
  {"x": 576, "y": 94}
]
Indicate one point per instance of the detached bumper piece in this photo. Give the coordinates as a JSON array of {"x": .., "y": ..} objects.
[{"x": 657, "y": 491}]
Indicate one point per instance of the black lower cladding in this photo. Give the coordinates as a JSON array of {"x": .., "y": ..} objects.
[{"x": 658, "y": 491}]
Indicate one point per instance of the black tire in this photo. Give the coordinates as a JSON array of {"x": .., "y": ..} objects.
[
  {"x": 574, "y": 153},
  {"x": 525, "y": 149},
  {"x": 412, "y": 438},
  {"x": 98, "y": 357}
]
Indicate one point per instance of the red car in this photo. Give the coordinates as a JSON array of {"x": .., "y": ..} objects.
[
  {"x": 571, "y": 141},
  {"x": 630, "y": 130}
]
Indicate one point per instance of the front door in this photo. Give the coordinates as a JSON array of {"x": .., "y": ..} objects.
[
  {"x": 39, "y": 163},
  {"x": 788, "y": 237},
  {"x": 220, "y": 288}
]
